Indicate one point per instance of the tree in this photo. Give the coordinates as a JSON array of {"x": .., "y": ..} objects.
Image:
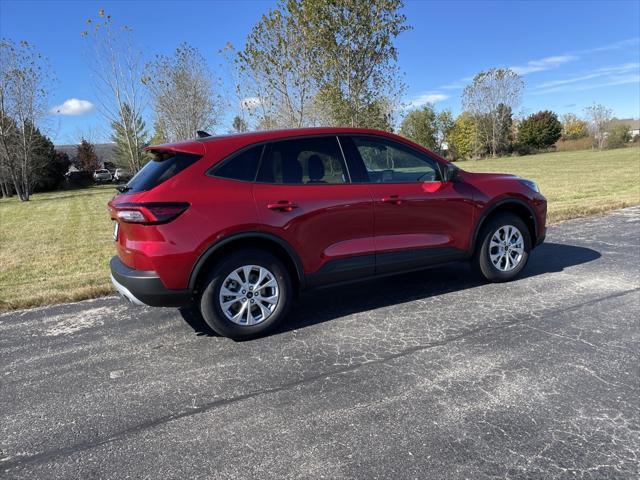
[
  {"x": 239, "y": 124},
  {"x": 276, "y": 65},
  {"x": 24, "y": 85},
  {"x": 8, "y": 151},
  {"x": 182, "y": 91},
  {"x": 117, "y": 70},
  {"x": 444, "y": 123},
  {"x": 159, "y": 137},
  {"x": 53, "y": 165},
  {"x": 86, "y": 157},
  {"x": 618, "y": 136},
  {"x": 491, "y": 98},
  {"x": 130, "y": 131},
  {"x": 599, "y": 119},
  {"x": 322, "y": 61},
  {"x": 421, "y": 126},
  {"x": 573, "y": 128},
  {"x": 539, "y": 130},
  {"x": 462, "y": 138},
  {"x": 355, "y": 57}
]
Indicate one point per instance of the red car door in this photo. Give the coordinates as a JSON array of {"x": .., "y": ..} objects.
[
  {"x": 303, "y": 195},
  {"x": 419, "y": 219}
]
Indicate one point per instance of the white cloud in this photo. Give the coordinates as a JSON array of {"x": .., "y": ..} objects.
[
  {"x": 429, "y": 97},
  {"x": 250, "y": 103},
  {"x": 600, "y": 77},
  {"x": 73, "y": 106},
  {"x": 542, "y": 64},
  {"x": 599, "y": 72},
  {"x": 630, "y": 42}
]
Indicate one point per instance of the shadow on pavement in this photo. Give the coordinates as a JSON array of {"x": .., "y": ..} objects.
[{"x": 327, "y": 304}]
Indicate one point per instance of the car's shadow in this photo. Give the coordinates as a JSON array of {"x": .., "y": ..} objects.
[{"x": 327, "y": 304}]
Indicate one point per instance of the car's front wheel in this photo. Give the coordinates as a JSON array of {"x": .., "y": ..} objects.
[
  {"x": 503, "y": 248},
  {"x": 246, "y": 295}
]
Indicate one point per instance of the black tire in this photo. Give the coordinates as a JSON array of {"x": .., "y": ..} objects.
[
  {"x": 209, "y": 303},
  {"x": 482, "y": 259}
]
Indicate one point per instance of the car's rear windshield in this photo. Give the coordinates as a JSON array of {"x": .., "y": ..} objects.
[{"x": 163, "y": 166}]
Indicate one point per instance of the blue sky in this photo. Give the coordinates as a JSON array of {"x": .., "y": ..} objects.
[{"x": 570, "y": 54}]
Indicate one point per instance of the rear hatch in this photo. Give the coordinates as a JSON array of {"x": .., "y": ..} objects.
[{"x": 135, "y": 210}]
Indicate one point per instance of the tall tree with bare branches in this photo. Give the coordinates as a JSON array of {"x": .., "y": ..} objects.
[
  {"x": 25, "y": 77},
  {"x": 117, "y": 68},
  {"x": 183, "y": 93},
  {"x": 599, "y": 118}
]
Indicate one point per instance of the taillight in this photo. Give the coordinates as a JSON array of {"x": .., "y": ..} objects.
[{"x": 149, "y": 213}]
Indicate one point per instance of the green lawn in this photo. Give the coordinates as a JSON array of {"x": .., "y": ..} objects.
[
  {"x": 578, "y": 183},
  {"x": 56, "y": 247}
]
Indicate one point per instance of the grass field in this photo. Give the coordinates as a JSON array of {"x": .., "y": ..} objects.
[
  {"x": 56, "y": 247},
  {"x": 576, "y": 184}
]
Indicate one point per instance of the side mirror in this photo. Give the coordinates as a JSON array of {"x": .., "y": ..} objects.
[{"x": 451, "y": 173}]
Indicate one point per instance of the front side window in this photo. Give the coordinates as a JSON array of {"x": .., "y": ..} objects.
[
  {"x": 310, "y": 161},
  {"x": 391, "y": 162}
]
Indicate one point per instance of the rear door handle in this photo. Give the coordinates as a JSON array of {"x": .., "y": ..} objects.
[
  {"x": 282, "y": 206},
  {"x": 393, "y": 199}
]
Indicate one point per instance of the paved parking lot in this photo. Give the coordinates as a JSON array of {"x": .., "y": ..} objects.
[{"x": 426, "y": 375}]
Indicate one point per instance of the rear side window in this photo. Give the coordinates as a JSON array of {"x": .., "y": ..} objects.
[
  {"x": 242, "y": 166},
  {"x": 163, "y": 166},
  {"x": 310, "y": 161}
]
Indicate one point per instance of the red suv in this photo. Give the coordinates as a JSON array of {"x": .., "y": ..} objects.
[{"x": 239, "y": 224}]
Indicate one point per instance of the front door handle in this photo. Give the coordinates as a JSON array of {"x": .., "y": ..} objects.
[
  {"x": 393, "y": 199},
  {"x": 282, "y": 206}
]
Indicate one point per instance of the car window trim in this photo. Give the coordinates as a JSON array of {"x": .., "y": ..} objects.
[{"x": 436, "y": 165}]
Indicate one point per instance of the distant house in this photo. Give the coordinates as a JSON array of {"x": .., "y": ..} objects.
[
  {"x": 634, "y": 125},
  {"x": 104, "y": 151}
]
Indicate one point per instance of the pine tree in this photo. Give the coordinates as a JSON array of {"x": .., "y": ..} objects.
[{"x": 129, "y": 135}]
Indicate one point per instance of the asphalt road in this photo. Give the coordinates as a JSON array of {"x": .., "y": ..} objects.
[{"x": 427, "y": 375}]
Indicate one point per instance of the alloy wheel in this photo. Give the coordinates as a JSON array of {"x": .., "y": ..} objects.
[
  {"x": 249, "y": 295},
  {"x": 506, "y": 249}
]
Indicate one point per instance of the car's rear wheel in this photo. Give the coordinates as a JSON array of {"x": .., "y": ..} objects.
[
  {"x": 503, "y": 248},
  {"x": 246, "y": 295}
]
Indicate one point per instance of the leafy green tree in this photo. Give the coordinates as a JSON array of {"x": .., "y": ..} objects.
[
  {"x": 239, "y": 124},
  {"x": 618, "y": 136},
  {"x": 444, "y": 123},
  {"x": 129, "y": 135},
  {"x": 539, "y": 130},
  {"x": 276, "y": 68},
  {"x": 355, "y": 61},
  {"x": 574, "y": 128},
  {"x": 462, "y": 139},
  {"x": 421, "y": 126},
  {"x": 322, "y": 61},
  {"x": 491, "y": 98},
  {"x": 86, "y": 157}
]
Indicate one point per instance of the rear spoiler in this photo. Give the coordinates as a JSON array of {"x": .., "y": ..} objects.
[{"x": 195, "y": 148}]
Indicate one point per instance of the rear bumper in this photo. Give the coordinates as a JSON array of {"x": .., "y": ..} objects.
[{"x": 145, "y": 287}]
